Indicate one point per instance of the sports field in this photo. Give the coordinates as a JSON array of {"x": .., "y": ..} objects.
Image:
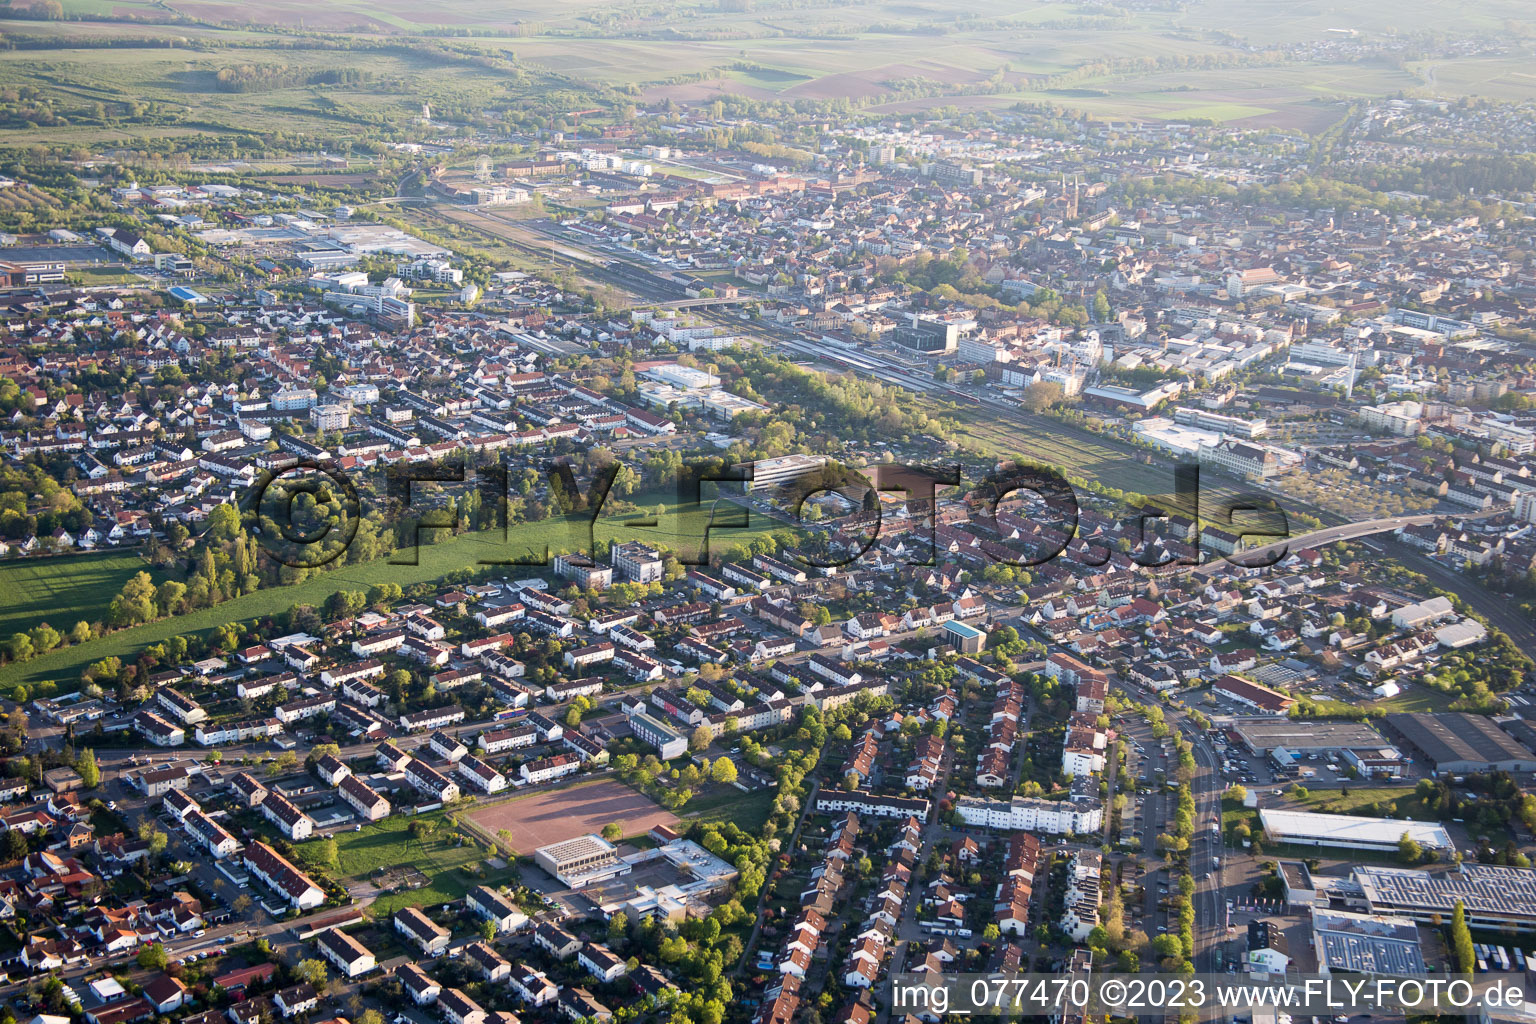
[
  {"x": 62, "y": 590},
  {"x": 553, "y": 815}
]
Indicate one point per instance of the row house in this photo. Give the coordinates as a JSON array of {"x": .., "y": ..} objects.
[
  {"x": 430, "y": 781},
  {"x": 431, "y": 718}
]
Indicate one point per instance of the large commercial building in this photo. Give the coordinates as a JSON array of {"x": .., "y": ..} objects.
[
  {"x": 581, "y": 861},
  {"x": 1495, "y": 898},
  {"x": 1457, "y": 743},
  {"x": 1261, "y": 735},
  {"x": 1303, "y": 828},
  {"x": 1243, "y": 691},
  {"x": 930, "y": 337},
  {"x": 1366, "y": 944},
  {"x": 770, "y": 473},
  {"x": 1236, "y": 426}
]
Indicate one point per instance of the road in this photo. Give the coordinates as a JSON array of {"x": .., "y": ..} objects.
[
  {"x": 1318, "y": 538},
  {"x": 1210, "y": 905},
  {"x": 1206, "y": 785}
]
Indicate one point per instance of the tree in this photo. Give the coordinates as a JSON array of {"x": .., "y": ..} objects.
[
  {"x": 45, "y": 638},
  {"x": 702, "y": 737},
  {"x": 1408, "y": 851},
  {"x": 21, "y": 647},
  {"x": 723, "y": 770},
  {"x": 312, "y": 971},
  {"x": 135, "y": 603},
  {"x": 170, "y": 596},
  {"x": 488, "y": 930},
  {"x": 1237, "y": 793},
  {"x": 1101, "y": 306},
  {"x": 1461, "y": 941},
  {"x": 90, "y": 774},
  {"x": 1041, "y": 395},
  {"x": 613, "y": 831},
  {"x": 15, "y": 845},
  {"x": 153, "y": 957}
]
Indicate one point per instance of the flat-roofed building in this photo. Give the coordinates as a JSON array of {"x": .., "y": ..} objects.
[
  {"x": 668, "y": 741},
  {"x": 1348, "y": 831},
  {"x": 1495, "y": 898},
  {"x": 770, "y": 473},
  {"x": 1349, "y": 943},
  {"x": 1261, "y": 735},
  {"x": 581, "y": 861}
]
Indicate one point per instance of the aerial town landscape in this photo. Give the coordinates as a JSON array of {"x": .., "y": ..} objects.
[{"x": 756, "y": 511}]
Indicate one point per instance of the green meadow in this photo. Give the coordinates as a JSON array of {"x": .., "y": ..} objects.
[{"x": 522, "y": 551}]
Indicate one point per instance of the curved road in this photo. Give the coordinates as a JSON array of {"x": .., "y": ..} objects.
[{"x": 1327, "y": 535}]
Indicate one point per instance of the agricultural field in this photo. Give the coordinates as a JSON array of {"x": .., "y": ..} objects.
[
  {"x": 24, "y": 198},
  {"x": 1193, "y": 61},
  {"x": 170, "y": 88},
  {"x": 63, "y": 590}
]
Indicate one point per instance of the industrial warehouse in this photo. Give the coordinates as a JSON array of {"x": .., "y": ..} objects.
[
  {"x": 1455, "y": 742},
  {"x": 1496, "y": 898},
  {"x": 1347, "y": 831},
  {"x": 1262, "y": 735}
]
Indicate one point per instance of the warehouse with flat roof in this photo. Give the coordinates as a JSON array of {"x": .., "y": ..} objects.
[
  {"x": 1495, "y": 898},
  {"x": 1261, "y": 735},
  {"x": 1457, "y": 743},
  {"x": 1366, "y": 944},
  {"x": 1349, "y": 831}
]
